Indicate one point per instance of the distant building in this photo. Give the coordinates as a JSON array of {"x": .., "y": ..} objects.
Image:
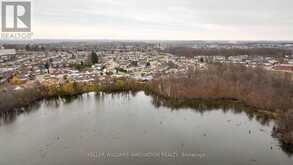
[
  {"x": 284, "y": 67},
  {"x": 7, "y": 54}
]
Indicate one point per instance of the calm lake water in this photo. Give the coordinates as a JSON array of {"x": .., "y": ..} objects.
[{"x": 134, "y": 129}]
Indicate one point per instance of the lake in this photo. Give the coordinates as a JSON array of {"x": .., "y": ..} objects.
[{"x": 135, "y": 129}]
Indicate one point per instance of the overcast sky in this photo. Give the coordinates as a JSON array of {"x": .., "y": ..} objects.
[{"x": 163, "y": 19}]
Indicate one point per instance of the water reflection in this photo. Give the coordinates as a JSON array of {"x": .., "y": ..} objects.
[
  {"x": 200, "y": 107},
  {"x": 288, "y": 149},
  {"x": 7, "y": 118},
  {"x": 10, "y": 117}
]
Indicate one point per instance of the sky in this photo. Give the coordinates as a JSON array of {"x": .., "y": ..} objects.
[{"x": 163, "y": 19}]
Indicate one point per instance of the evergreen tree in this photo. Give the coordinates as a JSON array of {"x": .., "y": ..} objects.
[
  {"x": 94, "y": 58},
  {"x": 47, "y": 66}
]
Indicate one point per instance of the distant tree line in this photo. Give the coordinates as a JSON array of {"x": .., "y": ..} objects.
[{"x": 191, "y": 52}]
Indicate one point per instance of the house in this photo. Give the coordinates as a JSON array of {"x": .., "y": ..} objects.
[
  {"x": 284, "y": 67},
  {"x": 7, "y": 54}
]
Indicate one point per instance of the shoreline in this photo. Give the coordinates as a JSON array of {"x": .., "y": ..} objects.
[
  {"x": 187, "y": 102},
  {"x": 144, "y": 87},
  {"x": 43, "y": 92}
]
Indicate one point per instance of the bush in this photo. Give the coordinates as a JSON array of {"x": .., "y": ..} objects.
[{"x": 16, "y": 81}]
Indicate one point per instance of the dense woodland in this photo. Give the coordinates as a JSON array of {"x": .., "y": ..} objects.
[{"x": 253, "y": 86}]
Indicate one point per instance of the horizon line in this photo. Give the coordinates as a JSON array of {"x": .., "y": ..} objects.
[{"x": 105, "y": 39}]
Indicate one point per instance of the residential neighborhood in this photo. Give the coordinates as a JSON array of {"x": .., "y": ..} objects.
[{"x": 135, "y": 61}]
